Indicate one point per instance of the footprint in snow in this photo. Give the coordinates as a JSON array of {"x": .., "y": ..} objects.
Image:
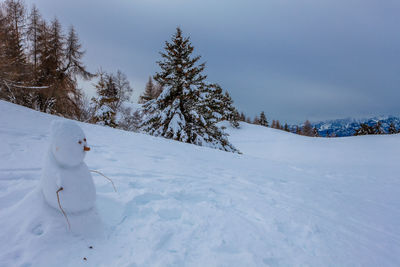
[
  {"x": 169, "y": 214},
  {"x": 38, "y": 230}
]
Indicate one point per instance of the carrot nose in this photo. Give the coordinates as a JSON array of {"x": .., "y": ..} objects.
[{"x": 86, "y": 148}]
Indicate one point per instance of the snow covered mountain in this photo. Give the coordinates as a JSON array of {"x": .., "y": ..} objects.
[
  {"x": 288, "y": 200},
  {"x": 347, "y": 127}
]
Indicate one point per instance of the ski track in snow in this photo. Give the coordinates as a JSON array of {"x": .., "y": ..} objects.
[{"x": 287, "y": 200}]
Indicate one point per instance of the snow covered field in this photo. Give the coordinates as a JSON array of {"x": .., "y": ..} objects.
[{"x": 288, "y": 200}]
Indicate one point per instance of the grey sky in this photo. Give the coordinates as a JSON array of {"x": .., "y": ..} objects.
[{"x": 294, "y": 59}]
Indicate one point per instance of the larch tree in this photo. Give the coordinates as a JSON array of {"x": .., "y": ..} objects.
[
  {"x": 181, "y": 112},
  {"x": 73, "y": 57},
  {"x": 33, "y": 36},
  {"x": 157, "y": 90},
  {"x": 307, "y": 129},
  {"x": 278, "y": 125},
  {"x": 148, "y": 93},
  {"x": 16, "y": 77}
]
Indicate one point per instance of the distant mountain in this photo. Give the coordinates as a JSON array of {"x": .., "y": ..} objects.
[{"x": 347, "y": 127}]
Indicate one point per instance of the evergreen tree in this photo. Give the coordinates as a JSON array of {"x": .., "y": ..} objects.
[
  {"x": 181, "y": 112},
  {"x": 229, "y": 112},
  {"x": 105, "y": 113},
  {"x": 392, "y": 128},
  {"x": 263, "y": 120},
  {"x": 273, "y": 124},
  {"x": 242, "y": 117},
  {"x": 286, "y": 128},
  {"x": 315, "y": 132}
]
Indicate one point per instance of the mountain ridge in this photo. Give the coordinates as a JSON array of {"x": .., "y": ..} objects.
[{"x": 348, "y": 126}]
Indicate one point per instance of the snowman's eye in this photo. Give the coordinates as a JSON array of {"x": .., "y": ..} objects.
[
  {"x": 80, "y": 142},
  {"x": 84, "y": 139}
]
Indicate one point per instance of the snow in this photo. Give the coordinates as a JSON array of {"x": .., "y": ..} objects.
[{"x": 288, "y": 200}]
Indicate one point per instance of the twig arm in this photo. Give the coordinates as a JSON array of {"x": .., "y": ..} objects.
[
  {"x": 59, "y": 204},
  {"x": 115, "y": 189}
]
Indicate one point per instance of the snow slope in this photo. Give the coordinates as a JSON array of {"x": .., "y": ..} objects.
[{"x": 288, "y": 200}]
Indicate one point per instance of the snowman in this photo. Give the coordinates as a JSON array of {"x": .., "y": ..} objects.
[{"x": 66, "y": 182}]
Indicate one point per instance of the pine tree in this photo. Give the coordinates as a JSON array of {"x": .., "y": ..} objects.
[
  {"x": 273, "y": 124},
  {"x": 315, "y": 132},
  {"x": 286, "y": 128},
  {"x": 105, "y": 113},
  {"x": 263, "y": 120},
  {"x": 181, "y": 112},
  {"x": 242, "y": 117},
  {"x": 230, "y": 113},
  {"x": 392, "y": 129}
]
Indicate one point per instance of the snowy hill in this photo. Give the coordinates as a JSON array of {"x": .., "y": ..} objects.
[
  {"x": 288, "y": 200},
  {"x": 347, "y": 127}
]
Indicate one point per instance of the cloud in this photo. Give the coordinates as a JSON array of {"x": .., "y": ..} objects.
[{"x": 293, "y": 59}]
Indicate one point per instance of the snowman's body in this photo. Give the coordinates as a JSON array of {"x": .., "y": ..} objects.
[{"x": 64, "y": 170}]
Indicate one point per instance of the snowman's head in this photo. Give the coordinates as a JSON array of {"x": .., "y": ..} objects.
[{"x": 68, "y": 143}]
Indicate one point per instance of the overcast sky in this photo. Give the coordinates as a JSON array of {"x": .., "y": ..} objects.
[{"x": 293, "y": 59}]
